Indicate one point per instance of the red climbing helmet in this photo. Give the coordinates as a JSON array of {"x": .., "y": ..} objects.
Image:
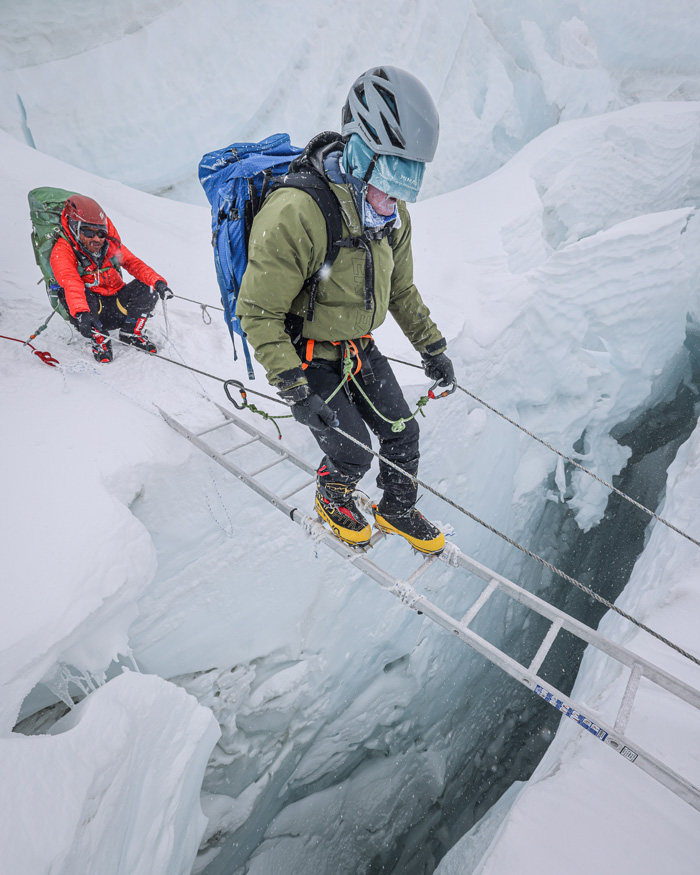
[{"x": 83, "y": 210}]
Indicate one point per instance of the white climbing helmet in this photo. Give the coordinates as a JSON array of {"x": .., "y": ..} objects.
[{"x": 394, "y": 114}]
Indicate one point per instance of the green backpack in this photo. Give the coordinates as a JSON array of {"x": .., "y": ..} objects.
[{"x": 45, "y": 208}]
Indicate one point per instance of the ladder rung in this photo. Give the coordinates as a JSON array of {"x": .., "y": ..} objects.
[
  {"x": 239, "y": 446},
  {"x": 422, "y": 568},
  {"x": 546, "y": 645},
  {"x": 581, "y": 714},
  {"x": 628, "y": 698},
  {"x": 479, "y": 603},
  {"x": 212, "y": 428},
  {"x": 306, "y": 483},
  {"x": 269, "y": 465},
  {"x": 377, "y": 535}
]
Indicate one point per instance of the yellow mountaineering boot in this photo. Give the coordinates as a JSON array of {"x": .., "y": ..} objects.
[
  {"x": 411, "y": 525},
  {"x": 336, "y": 506}
]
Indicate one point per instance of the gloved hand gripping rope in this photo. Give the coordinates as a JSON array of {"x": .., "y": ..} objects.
[{"x": 310, "y": 409}]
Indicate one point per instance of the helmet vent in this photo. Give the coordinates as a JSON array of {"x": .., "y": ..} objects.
[
  {"x": 361, "y": 96},
  {"x": 390, "y": 101},
  {"x": 371, "y": 131},
  {"x": 394, "y": 135}
]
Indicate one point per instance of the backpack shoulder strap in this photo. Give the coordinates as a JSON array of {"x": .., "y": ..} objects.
[
  {"x": 315, "y": 185},
  {"x": 310, "y": 181}
]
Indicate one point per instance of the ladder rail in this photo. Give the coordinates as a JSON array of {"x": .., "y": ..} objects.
[
  {"x": 581, "y": 714},
  {"x": 627, "y": 657},
  {"x": 588, "y": 719},
  {"x": 271, "y": 444},
  {"x": 258, "y": 487}
]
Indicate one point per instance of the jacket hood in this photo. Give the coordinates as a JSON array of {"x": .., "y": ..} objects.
[{"x": 317, "y": 149}]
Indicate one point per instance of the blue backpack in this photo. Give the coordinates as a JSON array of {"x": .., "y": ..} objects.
[{"x": 236, "y": 181}]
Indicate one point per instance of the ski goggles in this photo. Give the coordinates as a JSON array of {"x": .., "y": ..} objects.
[
  {"x": 398, "y": 177},
  {"x": 91, "y": 232}
]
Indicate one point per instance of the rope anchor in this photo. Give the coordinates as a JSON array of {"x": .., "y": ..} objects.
[{"x": 46, "y": 357}]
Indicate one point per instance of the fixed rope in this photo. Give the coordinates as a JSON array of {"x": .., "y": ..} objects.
[
  {"x": 530, "y": 553},
  {"x": 576, "y": 464},
  {"x": 562, "y": 574},
  {"x": 544, "y": 443},
  {"x": 206, "y": 315}
]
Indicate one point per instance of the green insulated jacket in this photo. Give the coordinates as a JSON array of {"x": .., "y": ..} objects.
[{"x": 287, "y": 246}]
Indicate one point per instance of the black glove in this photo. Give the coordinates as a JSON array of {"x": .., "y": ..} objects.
[
  {"x": 314, "y": 412},
  {"x": 86, "y": 324},
  {"x": 310, "y": 409},
  {"x": 163, "y": 290},
  {"x": 438, "y": 367}
]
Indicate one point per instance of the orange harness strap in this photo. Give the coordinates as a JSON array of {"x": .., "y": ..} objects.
[{"x": 309, "y": 353}]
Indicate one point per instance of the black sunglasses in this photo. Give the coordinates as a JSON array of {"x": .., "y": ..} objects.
[{"x": 90, "y": 232}]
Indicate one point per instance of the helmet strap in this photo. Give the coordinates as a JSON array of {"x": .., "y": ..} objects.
[{"x": 370, "y": 168}]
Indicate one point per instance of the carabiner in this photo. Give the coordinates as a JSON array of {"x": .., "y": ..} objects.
[
  {"x": 448, "y": 391},
  {"x": 241, "y": 389}
]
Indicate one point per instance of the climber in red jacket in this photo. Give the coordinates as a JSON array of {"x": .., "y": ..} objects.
[{"x": 87, "y": 264}]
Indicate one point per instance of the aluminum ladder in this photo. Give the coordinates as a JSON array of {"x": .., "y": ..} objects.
[{"x": 611, "y": 735}]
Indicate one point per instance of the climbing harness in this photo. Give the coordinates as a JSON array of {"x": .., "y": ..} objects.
[{"x": 46, "y": 357}]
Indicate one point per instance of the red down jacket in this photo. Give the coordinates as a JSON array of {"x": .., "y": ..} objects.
[{"x": 104, "y": 280}]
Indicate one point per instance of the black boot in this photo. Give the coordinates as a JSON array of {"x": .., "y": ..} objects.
[
  {"x": 101, "y": 347},
  {"x": 132, "y": 333},
  {"x": 410, "y": 524},
  {"x": 336, "y": 506}
]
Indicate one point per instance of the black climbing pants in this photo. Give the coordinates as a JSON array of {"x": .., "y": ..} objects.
[
  {"x": 355, "y": 415},
  {"x": 122, "y": 310}
]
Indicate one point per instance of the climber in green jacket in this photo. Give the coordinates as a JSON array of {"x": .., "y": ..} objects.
[{"x": 376, "y": 164}]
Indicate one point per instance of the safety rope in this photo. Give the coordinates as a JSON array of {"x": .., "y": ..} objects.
[
  {"x": 246, "y": 405},
  {"x": 524, "y": 550},
  {"x": 397, "y": 425},
  {"x": 206, "y": 316},
  {"x": 594, "y": 595},
  {"x": 44, "y": 325},
  {"x": 46, "y": 357},
  {"x": 544, "y": 443},
  {"x": 265, "y": 415}
]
